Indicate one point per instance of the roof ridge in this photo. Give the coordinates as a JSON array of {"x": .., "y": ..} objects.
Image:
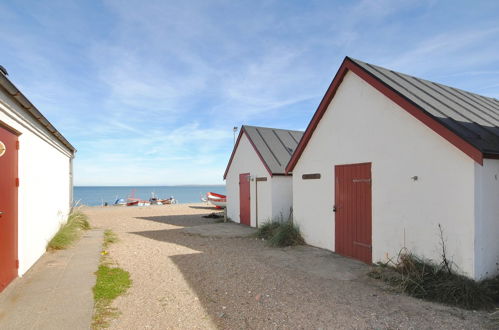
[
  {"x": 267, "y": 145},
  {"x": 405, "y": 74}
]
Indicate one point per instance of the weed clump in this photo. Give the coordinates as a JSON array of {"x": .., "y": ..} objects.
[
  {"x": 267, "y": 230},
  {"x": 109, "y": 238},
  {"x": 287, "y": 234},
  {"x": 69, "y": 232},
  {"x": 280, "y": 233},
  {"x": 423, "y": 279}
]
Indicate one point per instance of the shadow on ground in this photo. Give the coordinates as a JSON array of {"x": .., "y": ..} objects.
[
  {"x": 205, "y": 208},
  {"x": 181, "y": 220},
  {"x": 242, "y": 283}
]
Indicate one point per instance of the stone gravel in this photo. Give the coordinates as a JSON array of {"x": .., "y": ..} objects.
[{"x": 187, "y": 281}]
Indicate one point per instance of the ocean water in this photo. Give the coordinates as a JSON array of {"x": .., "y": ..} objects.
[{"x": 96, "y": 196}]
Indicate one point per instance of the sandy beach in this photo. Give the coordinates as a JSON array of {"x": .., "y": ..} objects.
[{"x": 184, "y": 280}]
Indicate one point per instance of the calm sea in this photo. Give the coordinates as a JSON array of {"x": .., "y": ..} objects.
[{"x": 96, "y": 196}]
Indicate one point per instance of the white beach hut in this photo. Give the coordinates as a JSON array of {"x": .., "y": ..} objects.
[
  {"x": 389, "y": 159},
  {"x": 35, "y": 182},
  {"x": 257, "y": 187}
]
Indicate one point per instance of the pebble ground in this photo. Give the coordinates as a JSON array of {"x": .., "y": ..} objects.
[{"x": 185, "y": 281}]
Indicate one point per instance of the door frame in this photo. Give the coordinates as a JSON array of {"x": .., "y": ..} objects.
[
  {"x": 337, "y": 206},
  {"x": 15, "y": 231}
]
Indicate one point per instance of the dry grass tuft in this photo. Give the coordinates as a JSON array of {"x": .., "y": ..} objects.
[{"x": 423, "y": 279}]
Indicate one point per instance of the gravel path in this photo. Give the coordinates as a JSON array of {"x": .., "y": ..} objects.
[{"x": 187, "y": 281}]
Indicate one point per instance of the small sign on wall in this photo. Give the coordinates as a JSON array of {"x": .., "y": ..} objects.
[{"x": 311, "y": 176}]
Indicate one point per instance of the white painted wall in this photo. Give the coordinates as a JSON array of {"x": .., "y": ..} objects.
[
  {"x": 44, "y": 190},
  {"x": 487, "y": 219},
  {"x": 362, "y": 125},
  {"x": 282, "y": 196},
  {"x": 275, "y": 196},
  {"x": 246, "y": 160}
]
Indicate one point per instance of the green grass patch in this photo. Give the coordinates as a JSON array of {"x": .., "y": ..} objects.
[
  {"x": 423, "y": 279},
  {"x": 280, "y": 233},
  {"x": 111, "y": 283},
  {"x": 69, "y": 232}
]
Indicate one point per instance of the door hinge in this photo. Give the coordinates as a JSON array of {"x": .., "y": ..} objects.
[
  {"x": 17, "y": 182},
  {"x": 17, "y": 263},
  {"x": 17, "y": 145}
]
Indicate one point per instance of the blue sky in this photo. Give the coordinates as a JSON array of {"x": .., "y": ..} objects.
[{"x": 148, "y": 91}]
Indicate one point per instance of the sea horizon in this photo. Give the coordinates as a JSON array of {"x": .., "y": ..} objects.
[{"x": 100, "y": 195}]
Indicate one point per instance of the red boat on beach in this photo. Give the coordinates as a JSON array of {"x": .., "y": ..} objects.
[{"x": 220, "y": 201}]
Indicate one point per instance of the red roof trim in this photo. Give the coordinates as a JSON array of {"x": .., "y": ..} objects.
[
  {"x": 243, "y": 130},
  {"x": 10, "y": 129},
  {"x": 403, "y": 102}
]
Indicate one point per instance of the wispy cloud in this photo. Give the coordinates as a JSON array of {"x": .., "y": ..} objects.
[{"x": 148, "y": 91}]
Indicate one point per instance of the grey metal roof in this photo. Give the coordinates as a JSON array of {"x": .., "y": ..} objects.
[
  {"x": 473, "y": 117},
  {"x": 274, "y": 145}
]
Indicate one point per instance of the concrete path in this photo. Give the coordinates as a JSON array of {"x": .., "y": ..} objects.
[{"x": 57, "y": 292}]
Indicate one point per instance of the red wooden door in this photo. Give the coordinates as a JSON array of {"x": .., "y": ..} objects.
[
  {"x": 244, "y": 199},
  {"x": 353, "y": 213},
  {"x": 8, "y": 207}
]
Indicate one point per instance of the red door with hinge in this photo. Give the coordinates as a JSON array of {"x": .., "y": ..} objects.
[
  {"x": 8, "y": 207},
  {"x": 244, "y": 199},
  {"x": 353, "y": 212}
]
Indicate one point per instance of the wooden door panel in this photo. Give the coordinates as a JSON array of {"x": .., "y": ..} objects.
[
  {"x": 8, "y": 207},
  {"x": 353, "y": 215},
  {"x": 244, "y": 199}
]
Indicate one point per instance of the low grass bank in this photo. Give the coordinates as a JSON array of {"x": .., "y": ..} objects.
[
  {"x": 69, "y": 232},
  {"x": 423, "y": 279},
  {"x": 280, "y": 233},
  {"x": 112, "y": 281}
]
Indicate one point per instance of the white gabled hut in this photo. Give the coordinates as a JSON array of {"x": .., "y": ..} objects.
[
  {"x": 35, "y": 182},
  {"x": 257, "y": 187},
  {"x": 388, "y": 158}
]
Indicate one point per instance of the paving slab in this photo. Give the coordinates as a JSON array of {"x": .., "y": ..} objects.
[
  {"x": 57, "y": 292},
  {"x": 223, "y": 229}
]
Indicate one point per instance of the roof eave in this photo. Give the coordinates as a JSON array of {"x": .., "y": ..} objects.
[
  {"x": 17, "y": 95},
  {"x": 241, "y": 132},
  {"x": 416, "y": 111}
]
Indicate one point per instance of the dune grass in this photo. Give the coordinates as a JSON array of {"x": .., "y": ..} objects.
[{"x": 69, "y": 232}]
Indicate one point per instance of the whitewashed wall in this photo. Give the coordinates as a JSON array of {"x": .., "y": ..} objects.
[
  {"x": 246, "y": 160},
  {"x": 362, "y": 125},
  {"x": 487, "y": 219},
  {"x": 265, "y": 200},
  {"x": 282, "y": 196},
  {"x": 44, "y": 190}
]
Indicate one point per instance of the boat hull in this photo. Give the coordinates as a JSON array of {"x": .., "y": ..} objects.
[{"x": 218, "y": 200}]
